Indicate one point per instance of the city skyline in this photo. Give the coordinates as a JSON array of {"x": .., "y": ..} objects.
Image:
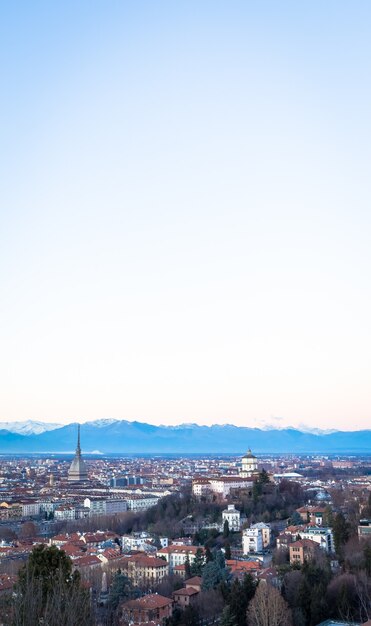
[{"x": 184, "y": 222}]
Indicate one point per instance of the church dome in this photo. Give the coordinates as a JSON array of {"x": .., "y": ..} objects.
[{"x": 249, "y": 455}]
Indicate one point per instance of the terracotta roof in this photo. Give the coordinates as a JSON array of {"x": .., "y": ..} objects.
[
  {"x": 185, "y": 591},
  {"x": 142, "y": 560},
  {"x": 151, "y": 601},
  {"x": 195, "y": 580},
  {"x": 87, "y": 561},
  {"x": 7, "y": 582},
  {"x": 239, "y": 566}
]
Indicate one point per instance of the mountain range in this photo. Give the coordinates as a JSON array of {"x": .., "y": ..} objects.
[{"x": 122, "y": 436}]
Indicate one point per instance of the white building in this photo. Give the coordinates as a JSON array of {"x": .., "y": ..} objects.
[
  {"x": 266, "y": 532},
  {"x": 46, "y": 506},
  {"x": 30, "y": 509},
  {"x": 220, "y": 486},
  {"x": 178, "y": 555},
  {"x": 252, "y": 540},
  {"x": 138, "y": 541},
  {"x": 103, "y": 506},
  {"x": 139, "y": 503},
  {"x": 321, "y": 535},
  {"x": 65, "y": 512},
  {"x": 233, "y": 517}
]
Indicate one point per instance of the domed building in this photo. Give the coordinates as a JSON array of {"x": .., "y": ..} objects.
[
  {"x": 249, "y": 465},
  {"x": 77, "y": 472}
]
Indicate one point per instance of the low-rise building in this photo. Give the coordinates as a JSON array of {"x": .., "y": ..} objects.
[
  {"x": 313, "y": 514},
  {"x": 152, "y": 607},
  {"x": 233, "y": 517},
  {"x": 146, "y": 570},
  {"x": 266, "y": 532},
  {"x": 302, "y": 550},
  {"x": 252, "y": 540},
  {"x": 321, "y": 535},
  {"x": 220, "y": 486},
  {"x": 364, "y": 529},
  {"x": 179, "y": 555},
  {"x": 65, "y": 512}
]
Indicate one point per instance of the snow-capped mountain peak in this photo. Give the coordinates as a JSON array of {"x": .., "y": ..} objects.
[{"x": 29, "y": 427}]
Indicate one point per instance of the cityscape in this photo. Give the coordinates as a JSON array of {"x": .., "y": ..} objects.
[
  {"x": 180, "y": 539},
  {"x": 185, "y": 306}
]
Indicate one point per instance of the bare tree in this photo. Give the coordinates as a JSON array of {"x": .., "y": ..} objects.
[{"x": 268, "y": 608}]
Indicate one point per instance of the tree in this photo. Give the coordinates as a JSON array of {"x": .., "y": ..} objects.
[
  {"x": 227, "y": 548},
  {"x": 268, "y": 608},
  {"x": 341, "y": 532},
  {"x": 49, "y": 592},
  {"x": 226, "y": 529},
  {"x": 240, "y": 595},
  {"x": 198, "y": 563},
  {"x": 263, "y": 477},
  {"x": 27, "y": 530},
  {"x": 367, "y": 558},
  {"x": 208, "y": 555},
  {"x": 214, "y": 572},
  {"x": 295, "y": 519},
  {"x": 227, "y": 618},
  {"x": 7, "y": 534},
  {"x": 121, "y": 590},
  {"x": 187, "y": 567}
]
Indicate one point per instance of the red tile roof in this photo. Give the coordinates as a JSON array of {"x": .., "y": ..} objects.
[{"x": 151, "y": 601}]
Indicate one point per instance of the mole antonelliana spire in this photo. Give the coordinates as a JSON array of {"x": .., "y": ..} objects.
[{"x": 77, "y": 472}]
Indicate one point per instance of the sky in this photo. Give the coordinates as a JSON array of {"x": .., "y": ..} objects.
[{"x": 185, "y": 224}]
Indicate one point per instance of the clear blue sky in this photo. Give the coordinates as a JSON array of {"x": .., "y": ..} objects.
[{"x": 185, "y": 211}]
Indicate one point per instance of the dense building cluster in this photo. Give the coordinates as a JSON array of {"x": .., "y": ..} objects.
[{"x": 164, "y": 540}]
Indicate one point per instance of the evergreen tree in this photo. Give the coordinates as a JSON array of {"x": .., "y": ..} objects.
[
  {"x": 198, "y": 563},
  {"x": 187, "y": 566},
  {"x": 121, "y": 589},
  {"x": 263, "y": 477},
  {"x": 47, "y": 565},
  {"x": 227, "y": 548},
  {"x": 249, "y": 587},
  {"x": 214, "y": 572},
  {"x": 208, "y": 555},
  {"x": 226, "y": 529},
  {"x": 341, "y": 532},
  {"x": 240, "y": 596},
  {"x": 49, "y": 592},
  {"x": 228, "y": 618}
]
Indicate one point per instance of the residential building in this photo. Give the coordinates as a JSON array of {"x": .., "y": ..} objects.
[
  {"x": 150, "y": 608},
  {"x": 185, "y": 596},
  {"x": 302, "y": 550},
  {"x": 220, "y": 486},
  {"x": 321, "y": 535},
  {"x": 313, "y": 514},
  {"x": 266, "y": 532},
  {"x": 252, "y": 540},
  {"x": 178, "y": 555},
  {"x": 233, "y": 517},
  {"x": 364, "y": 529},
  {"x": 144, "y": 569}
]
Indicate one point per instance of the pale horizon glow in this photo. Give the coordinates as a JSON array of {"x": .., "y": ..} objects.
[{"x": 185, "y": 218}]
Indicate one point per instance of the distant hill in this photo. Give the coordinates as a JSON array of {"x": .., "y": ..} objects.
[{"x": 122, "y": 436}]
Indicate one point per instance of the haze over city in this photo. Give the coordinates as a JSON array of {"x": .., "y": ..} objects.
[{"x": 185, "y": 223}]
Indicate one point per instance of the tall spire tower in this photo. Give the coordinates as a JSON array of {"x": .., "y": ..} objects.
[{"x": 77, "y": 472}]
